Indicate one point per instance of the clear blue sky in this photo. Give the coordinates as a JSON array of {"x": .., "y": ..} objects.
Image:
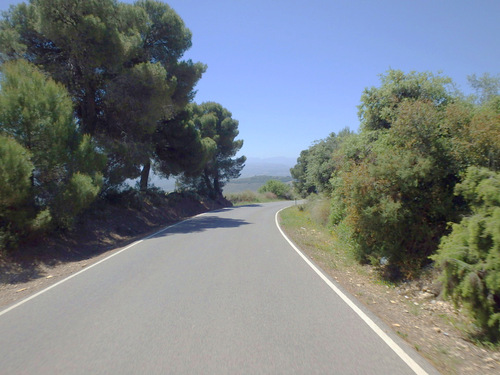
[{"x": 293, "y": 71}]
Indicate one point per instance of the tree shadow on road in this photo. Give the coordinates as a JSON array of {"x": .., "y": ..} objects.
[{"x": 201, "y": 224}]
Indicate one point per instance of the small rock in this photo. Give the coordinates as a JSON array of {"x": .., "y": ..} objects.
[
  {"x": 49, "y": 276},
  {"x": 21, "y": 290},
  {"x": 426, "y": 295},
  {"x": 393, "y": 301},
  {"x": 437, "y": 329},
  {"x": 396, "y": 325}
]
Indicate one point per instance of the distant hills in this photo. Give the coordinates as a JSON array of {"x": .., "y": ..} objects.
[
  {"x": 252, "y": 183},
  {"x": 259, "y": 170},
  {"x": 277, "y": 166},
  {"x": 255, "y": 174}
]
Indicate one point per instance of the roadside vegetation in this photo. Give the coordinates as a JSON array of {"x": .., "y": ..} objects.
[
  {"x": 418, "y": 184},
  {"x": 272, "y": 190},
  {"x": 252, "y": 183},
  {"x": 93, "y": 95},
  {"x": 414, "y": 309}
]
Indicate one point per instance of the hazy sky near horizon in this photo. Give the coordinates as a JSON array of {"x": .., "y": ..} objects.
[{"x": 293, "y": 71}]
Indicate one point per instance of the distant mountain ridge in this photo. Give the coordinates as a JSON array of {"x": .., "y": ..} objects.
[
  {"x": 255, "y": 174},
  {"x": 275, "y": 166},
  {"x": 252, "y": 183}
]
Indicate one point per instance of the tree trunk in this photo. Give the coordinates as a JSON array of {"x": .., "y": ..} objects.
[
  {"x": 208, "y": 183},
  {"x": 89, "y": 113},
  {"x": 143, "y": 184},
  {"x": 217, "y": 188}
]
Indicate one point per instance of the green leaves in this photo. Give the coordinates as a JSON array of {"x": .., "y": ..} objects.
[
  {"x": 470, "y": 254},
  {"x": 278, "y": 188},
  {"x": 37, "y": 113},
  {"x": 218, "y": 130},
  {"x": 104, "y": 97},
  {"x": 315, "y": 166},
  {"x": 378, "y": 108},
  {"x": 15, "y": 173},
  {"x": 120, "y": 63}
]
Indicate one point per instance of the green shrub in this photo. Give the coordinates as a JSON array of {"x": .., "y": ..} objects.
[
  {"x": 15, "y": 173},
  {"x": 470, "y": 254},
  {"x": 64, "y": 175},
  {"x": 278, "y": 188},
  {"x": 399, "y": 199},
  {"x": 80, "y": 192},
  {"x": 15, "y": 189},
  {"x": 243, "y": 197}
]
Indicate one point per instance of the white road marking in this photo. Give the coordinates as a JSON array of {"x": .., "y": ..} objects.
[
  {"x": 89, "y": 267},
  {"x": 390, "y": 342}
]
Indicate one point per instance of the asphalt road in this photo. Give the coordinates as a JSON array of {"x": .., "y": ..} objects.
[{"x": 222, "y": 293}]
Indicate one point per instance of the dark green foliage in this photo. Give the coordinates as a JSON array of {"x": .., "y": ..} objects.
[
  {"x": 298, "y": 172},
  {"x": 219, "y": 130},
  {"x": 316, "y": 165},
  {"x": 475, "y": 133},
  {"x": 470, "y": 254},
  {"x": 391, "y": 185},
  {"x": 278, "y": 188},
  {"x": 179, "y": 146},
  {"x": 15, "y": 208},
  {"x": 96, "y": 93},
  {"x": 119, "y": 62},
  {"x": 399, "y": 198},
  {"x": 37, "y": 113},
  {"x": 378, "y": 108}
]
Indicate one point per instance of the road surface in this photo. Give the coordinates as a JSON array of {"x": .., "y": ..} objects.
[{"x": 222, "y": 293}]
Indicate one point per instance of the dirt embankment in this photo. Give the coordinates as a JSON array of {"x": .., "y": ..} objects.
[{"x": 108, "y": 227}]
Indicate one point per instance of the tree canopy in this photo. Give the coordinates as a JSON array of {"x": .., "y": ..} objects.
[
  {"x": 426, "y": 156},
  {"x": 215, "y": 123},
  {"x": 121, "y": 64},
  {"x": 94, "y": 93}
]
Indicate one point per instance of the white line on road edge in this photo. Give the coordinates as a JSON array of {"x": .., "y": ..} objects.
[
  {"x": 89, "y": 267},
  {"x": 390, "y": 342}
]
